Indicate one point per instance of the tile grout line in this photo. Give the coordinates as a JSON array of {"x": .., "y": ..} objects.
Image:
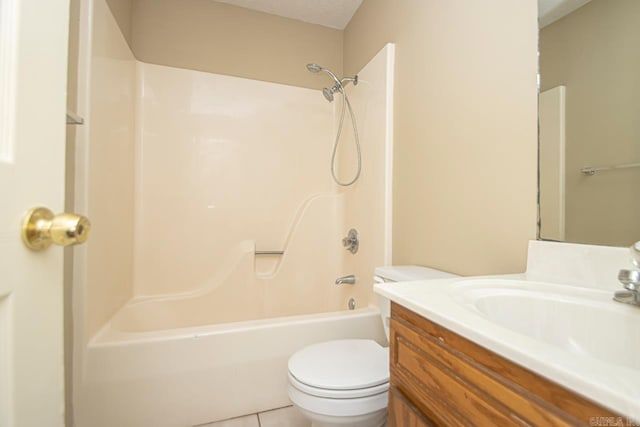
[
  {"x": 275, "y": 409},
  {"x": 257, "y": 415}
]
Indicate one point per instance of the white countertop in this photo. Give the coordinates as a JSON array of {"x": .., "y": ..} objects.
[{"x": 613, "y": 386}]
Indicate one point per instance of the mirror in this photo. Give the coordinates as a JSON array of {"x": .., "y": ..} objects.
[{"x": 589, "y": 115}]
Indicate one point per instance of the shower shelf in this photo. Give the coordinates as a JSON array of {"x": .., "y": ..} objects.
[{"x": 269, "y": 252}]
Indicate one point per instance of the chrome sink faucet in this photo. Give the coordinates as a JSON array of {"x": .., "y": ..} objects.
[{"x": 630, "y": 279}]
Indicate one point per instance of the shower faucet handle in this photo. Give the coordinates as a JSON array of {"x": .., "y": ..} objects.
[{"x": 351, "y": 242}]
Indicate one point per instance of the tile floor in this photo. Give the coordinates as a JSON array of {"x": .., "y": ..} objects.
[{"x": 282, "y": 417}]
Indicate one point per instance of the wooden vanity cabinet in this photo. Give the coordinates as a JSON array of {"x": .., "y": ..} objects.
[{"x": 441, "y": 378}]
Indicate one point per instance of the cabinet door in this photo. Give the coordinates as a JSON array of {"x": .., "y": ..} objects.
[
  {"x": 457, "y": 382},
  {"x": 402, "y": 413}
]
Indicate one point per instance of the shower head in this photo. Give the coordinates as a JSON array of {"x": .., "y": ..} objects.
[
  {"x": 328, "y": 93},
  {"x": 314, "y": 68},
  {"x": 338, "y": 87}
]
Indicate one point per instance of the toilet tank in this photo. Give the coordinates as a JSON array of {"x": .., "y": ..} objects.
[{"x": 403, "y": 273}]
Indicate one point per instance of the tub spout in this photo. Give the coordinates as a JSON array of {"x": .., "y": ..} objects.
[{"x": 350, "y": 279}]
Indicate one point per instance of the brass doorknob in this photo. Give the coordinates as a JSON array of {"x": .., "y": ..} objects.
[{"x": 41, "y": 228}]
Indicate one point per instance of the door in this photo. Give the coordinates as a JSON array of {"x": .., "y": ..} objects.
[
  {"x": 33, "y": 68},
  {"x": 552, "y": 163}
]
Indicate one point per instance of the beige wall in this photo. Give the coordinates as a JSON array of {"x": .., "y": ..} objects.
[
  {"x": 594, "y": 53},
  {"x": 121, "y": 11},
  {"x": 465, "y": 127},
  {"x": 208, "y": 36}
]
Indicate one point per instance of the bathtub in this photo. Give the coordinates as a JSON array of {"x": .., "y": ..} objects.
[{"x": 195, "y": 375}]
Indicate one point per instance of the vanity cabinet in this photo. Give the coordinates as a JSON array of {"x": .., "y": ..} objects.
[{"x": 441, "y": 378}]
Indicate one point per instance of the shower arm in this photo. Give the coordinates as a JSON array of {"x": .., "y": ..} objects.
[
  {"x": 340, "y": 84},
  {"x": 346, "y": 80}
]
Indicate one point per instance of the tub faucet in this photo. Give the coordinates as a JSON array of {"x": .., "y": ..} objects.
[
  {"x": 350, "y": 279},
  {"x": 630, "y": 279}
]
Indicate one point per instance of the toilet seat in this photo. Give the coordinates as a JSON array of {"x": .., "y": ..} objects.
[
  {"x": 341, "y": 365},
  {"x": 341, "y": 369},
  {"x": 338, "y": 394}
]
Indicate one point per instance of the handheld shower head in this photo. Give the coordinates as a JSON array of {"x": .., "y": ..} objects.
[{"x": 314, "y": 68}]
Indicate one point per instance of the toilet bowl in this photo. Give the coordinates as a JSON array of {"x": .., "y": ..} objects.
[{"x": 346, "y": 382}]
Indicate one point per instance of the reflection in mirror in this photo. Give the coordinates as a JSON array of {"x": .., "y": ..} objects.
[{"x": 590, "y": 118}]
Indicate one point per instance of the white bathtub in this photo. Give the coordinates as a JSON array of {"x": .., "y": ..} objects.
[{"x": 189, "y": 376}]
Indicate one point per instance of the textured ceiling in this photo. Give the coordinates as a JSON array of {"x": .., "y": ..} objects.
[
  {"x": 337, "y": 13},
  {"x": 551, "y": 10},
  {"x": 330, "y": 13}
]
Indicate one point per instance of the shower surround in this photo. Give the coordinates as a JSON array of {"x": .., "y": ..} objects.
[
  {"x": 186, "y": 175},
  {"x": 226, "y": 167}
]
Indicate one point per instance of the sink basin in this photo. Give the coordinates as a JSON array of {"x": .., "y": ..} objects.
[{"x": 584, "y": 322}]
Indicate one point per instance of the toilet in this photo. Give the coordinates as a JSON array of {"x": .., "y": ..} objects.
[{"x": 345, "y": 382}]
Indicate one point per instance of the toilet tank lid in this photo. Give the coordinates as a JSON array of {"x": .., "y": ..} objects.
[{"x": 406, "y": 273}]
